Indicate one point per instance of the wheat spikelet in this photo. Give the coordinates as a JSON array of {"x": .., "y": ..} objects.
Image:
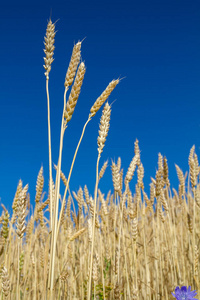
[
  {"x": 39, "y": 186},
  {"x": 193, "y": 177},
  {"x": 131, "y": 211},
  {"x": 137, "y": 151},
  {"x": 148, "y": 202},
  {"x": 161, "y": 214},
  {"x": 131, "y": 168},
  {"x": 77, "y": 234},
  {"x": 103, "y": 127},
  {"x": 15, "y": 201},
  {"x": 43, "y": 205},
  {"x": 197, "y": 196},
  {"x": 75, "y": 91},
  {"x": 103, "y": 169},
  {"x": 153, "y": 181},
  {"x": 21, "y": 212},
  {"x": 41, "y": 217},
  {"x": 103, "y": 203},
  {"x": 41, "y": 256},
  {"x": 196, "y": 163},
  {"x": 196, "y": 261},
  {"x": 134, "y": 229},
  {"x": 163, "y": 201},
  {"x": 108, "y": 197},
  {"x": 160, "y": 162},
  {"x": 95, "y": 276},
  {"x": 191, "y": 155},
  {"x": 158, "y": 182},
  {"x": 62, "y": 176},
  {"x": 116, "y": 178},
  {"x": 80, "y": 200},
  {"x": 103, "y": 97},
  {"x": 21, "y": 261},
  {"x": 152, "y": 193},
  {"x": 29, "y": 229},
  {"x": 140, "y": 174},
  {"x": 49, "y": 47},
  {"x": 86, "y": 193},
  {"x": 5, "y": 229},
  {"x": 75, "y": 59},
  {"x": 5, "y": 282},
  {"x": 165, "y": 172},
  {"x": 117, "y": 292},
  {"x": 190, "y": 223}
]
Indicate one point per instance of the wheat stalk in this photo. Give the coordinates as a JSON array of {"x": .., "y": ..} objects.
[{"x": 49, "y": 48}]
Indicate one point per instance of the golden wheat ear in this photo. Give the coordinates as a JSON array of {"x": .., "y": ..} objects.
[
  {"x": 73, "y": 97},
  {"x": 5, "y": 283},
  {"x": 73, "y": 65},
  {"x": 49, "y": 47},
  {"x": 103, "y": 97}
]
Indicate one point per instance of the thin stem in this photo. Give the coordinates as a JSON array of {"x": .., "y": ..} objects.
[
  {"x": 50, "y": 172},
  {"x": 56, "y": 204},
  {"x": 93, "y": 229},
  {"x": 50, "y": 159},
  {"x": 70, "y": 172}
]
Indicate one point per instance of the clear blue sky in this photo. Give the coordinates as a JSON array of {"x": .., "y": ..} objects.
[{"x": 155, "y": 45}]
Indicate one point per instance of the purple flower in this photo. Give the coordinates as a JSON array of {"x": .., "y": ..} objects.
[{"x": 184, "y": 293}]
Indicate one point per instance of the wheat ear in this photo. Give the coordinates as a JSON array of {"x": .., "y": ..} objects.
[
  {"x": 49, "y": 47},
  {"x": 103, "y": 97},
  {"x": 75, "y": 59},
  {"x": 5, "y": 283}
]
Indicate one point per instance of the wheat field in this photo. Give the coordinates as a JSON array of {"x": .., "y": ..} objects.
[{"x": 125, "y": 245}]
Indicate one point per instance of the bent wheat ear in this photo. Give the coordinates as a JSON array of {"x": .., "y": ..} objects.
[
  {"x": 49, "y": 47},
  {"x": 73, "y": 97},
  {"x": 104, "y": 96},
  {"x": 75, "y": 59}
]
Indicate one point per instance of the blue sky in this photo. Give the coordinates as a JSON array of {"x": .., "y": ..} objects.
[{"x": 155, "y": 45}]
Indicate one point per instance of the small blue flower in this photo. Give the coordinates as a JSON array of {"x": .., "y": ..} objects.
[{"x": 184, "y": 293}]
